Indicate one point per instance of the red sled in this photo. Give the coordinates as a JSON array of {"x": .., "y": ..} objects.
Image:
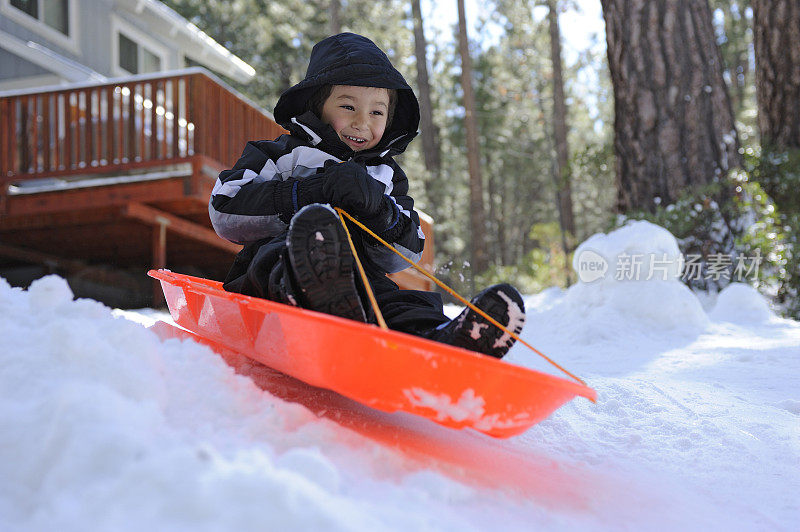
[{"x": 383, "y": 369}]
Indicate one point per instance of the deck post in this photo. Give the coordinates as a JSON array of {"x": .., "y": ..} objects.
[{"x": 159, "y": 256}]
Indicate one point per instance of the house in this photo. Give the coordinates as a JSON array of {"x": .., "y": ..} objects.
[
  {"x": 113, "y": 128},
  {"x": 54, "y": 42}
]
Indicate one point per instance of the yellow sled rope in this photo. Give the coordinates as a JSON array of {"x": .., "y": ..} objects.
[{"x": 343, "y": 214}]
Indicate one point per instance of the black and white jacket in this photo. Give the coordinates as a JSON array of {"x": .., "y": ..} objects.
[{"x": 241, "y": 206}]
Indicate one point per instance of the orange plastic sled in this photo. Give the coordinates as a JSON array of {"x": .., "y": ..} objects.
[{"x": 384, "y": 369}]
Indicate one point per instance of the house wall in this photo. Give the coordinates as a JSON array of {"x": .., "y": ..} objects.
[
  {"x": 13, "y": 67},
  {"x": 26, "y": 28},
  {"x": 93, "y": 42}
]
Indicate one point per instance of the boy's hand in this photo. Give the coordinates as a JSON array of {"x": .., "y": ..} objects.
[
  {"x": 349, "y": 186},
  {"x": 294, "y": 194}
]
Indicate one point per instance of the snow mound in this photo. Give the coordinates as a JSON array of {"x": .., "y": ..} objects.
[
  {"x": 106, "y": 427},
  {"x": 741, "y": 303},
  {"x": 606, "y": 311},
  {"x": 50, "y": 291},
  {"x": 101, "y": 417},
  {"x": 638, "y": 251},
  {"x": 629, "y": 280}
]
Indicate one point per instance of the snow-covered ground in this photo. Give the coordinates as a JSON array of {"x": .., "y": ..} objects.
[{"x": 103, "y": 426}]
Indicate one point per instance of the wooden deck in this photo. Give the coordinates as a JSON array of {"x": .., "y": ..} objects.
[{"x": 101, "y": 182}]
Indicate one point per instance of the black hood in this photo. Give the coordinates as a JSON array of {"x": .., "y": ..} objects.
[{"x": 350, "y": 59}]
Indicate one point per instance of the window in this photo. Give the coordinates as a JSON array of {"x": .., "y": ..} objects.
[
  {"x": 135, "y": 58},
  {"x": 128, "y": 54},
  {"x": 54, "y": 13},
  {"x": 30, "y": 7},
  {"x": 150, "y": 61},
  {"x": 135, "y": 50}
]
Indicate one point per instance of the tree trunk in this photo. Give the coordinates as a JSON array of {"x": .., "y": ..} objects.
[
  {"x": 776, "y": 39},
  {"x": 477, "y": 216},
  {"x": 430, "y": 133},
  {"x": 562, "y": 173},
  {"x": 334, "y": 16},
  {"x": 498, "y": 213},
  {"x": 673, "y": 122}
]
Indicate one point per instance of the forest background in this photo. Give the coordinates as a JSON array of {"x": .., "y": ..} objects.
[{"x": 680, "y": 114}]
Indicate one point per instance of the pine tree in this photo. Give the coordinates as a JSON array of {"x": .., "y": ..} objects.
[
  {"x": 430, "y": 132},
  {"x": 674, "y": 125},
  {"x": 777, "y": 48},
  {"x": 480, "y": 259},
  {"x": 561, "y": 173}
]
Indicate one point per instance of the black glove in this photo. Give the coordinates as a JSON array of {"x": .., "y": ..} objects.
[
  {"x": 386, "y": 217},
  {"x": 349, "y": 186},
  {"x": 388, "y": 224},
  {"x": 295, "y": 193}
]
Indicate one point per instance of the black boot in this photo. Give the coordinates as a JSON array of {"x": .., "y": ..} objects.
[
  {"x": 322, "y": 263},
  {"x": 281, "y": 286},
  {"x": 472, "y": 331}
]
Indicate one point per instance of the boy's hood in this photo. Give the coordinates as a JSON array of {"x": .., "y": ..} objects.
[{"x": 350, "y": 59}]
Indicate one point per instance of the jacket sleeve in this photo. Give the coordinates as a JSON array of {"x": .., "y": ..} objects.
[
  {"x": 405, "y": 234},
  {"x": 246, "y": 201}
]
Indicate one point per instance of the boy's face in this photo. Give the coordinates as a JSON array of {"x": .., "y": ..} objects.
[{"x": 357, "y": 114}]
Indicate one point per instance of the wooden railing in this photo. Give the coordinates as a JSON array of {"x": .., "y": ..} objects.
[{"x": 125, "y": 124}]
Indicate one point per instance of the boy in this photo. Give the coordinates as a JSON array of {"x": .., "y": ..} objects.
[{"x": 351, "y": 114}]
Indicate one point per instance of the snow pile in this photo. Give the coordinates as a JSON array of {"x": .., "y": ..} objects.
[
  {"x": 629, "y": 285},
  {"x": 701, "y": 404},
  {"x": 638, "y": 251},
  {"x": 107, "y": 427},
  {"x": 741, "y": 303}
]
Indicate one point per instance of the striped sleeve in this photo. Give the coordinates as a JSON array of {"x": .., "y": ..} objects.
[
  {"x": 245, "y": 203},
  {"x": 406, "y": 235}
]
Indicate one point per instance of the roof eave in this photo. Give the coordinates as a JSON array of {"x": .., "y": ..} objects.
[
  {"x": 217, "y": 56},
  {"x": 48, "y": 59}
]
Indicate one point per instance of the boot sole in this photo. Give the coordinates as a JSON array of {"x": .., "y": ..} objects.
[
  {"x": 490, "y": 339},
  {"x": 323, "y": 263}
]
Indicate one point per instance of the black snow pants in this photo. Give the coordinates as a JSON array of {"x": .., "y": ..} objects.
[{"x": 415, "y": 312}]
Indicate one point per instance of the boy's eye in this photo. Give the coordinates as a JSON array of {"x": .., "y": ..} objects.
[
  {"x": 379, "y": 113},
  {"x": 348, "y": 107}
]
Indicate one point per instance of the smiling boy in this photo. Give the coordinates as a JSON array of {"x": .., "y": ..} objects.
[
  {"x": 347, "y": 119},
  {"x": 357, "y": 114}
]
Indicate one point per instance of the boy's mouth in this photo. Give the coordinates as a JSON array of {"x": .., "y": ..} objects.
[{"x": 355, "y": 141}]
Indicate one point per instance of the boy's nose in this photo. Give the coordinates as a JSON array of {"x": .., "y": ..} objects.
[{"x": 359, "y": 120}]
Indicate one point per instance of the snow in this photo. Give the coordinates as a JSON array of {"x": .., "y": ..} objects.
[
  {"x": 468, "y": 406},
  {"x": 741, "y": 303},
  {"x": 107, "y": 427}
]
